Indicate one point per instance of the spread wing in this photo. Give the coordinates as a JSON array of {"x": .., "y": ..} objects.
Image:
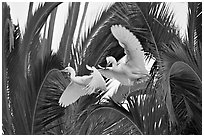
[
  {"x": 111, "y": 74},
  {"x": 81, "y": 86},
  {"x": 97, "y": 81},
  {"x": 132, "y": 46},
  {"x": 83, "y": 80},
  {"x": 71, "y": 94}
]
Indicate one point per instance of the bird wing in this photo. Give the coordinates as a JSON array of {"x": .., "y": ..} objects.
[
  {"x": 83, "y": 80},
  {"x": 71, "y": 94},
  {"x": 112, "y": 74},
  {"x": 112, "y": 87},
  {"x": 132, "y": 46},
  {"x": 97, "y": 81}
]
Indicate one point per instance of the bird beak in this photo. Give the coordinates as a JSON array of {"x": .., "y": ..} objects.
[
  {"x": 108, "y": 64},
  {"x": 64, "y": 70}
]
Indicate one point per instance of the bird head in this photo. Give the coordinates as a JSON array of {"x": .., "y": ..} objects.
[
  {"x": 110, "y": 60},
  {"x": 69, "y": 70}
]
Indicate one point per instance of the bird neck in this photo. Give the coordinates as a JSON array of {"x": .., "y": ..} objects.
[
  {"x": 72, "y": 74},
  {"x": 114, "y": 63}
]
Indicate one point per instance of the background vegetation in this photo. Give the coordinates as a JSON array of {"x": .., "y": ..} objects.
[{"x": 170, "y": 102}]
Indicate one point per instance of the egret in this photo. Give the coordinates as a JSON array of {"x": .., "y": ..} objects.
[
  {"x": 81, "y": 85},
  {"x": 132, "y": 66}
]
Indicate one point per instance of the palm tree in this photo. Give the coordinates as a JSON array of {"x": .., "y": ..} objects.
[{"x": 168, "y": 103}]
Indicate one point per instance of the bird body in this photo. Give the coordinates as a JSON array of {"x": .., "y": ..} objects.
[
  {"x": 81, "y": 80},
  {"x": 131, "y": 67},
  {"x": 81, "y": 85}
]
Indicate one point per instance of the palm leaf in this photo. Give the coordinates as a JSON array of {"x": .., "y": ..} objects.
[
  {"x": 44, "y": 47},
  {"x": 188, "y": 91},
  {"x": 51, "y": 29},
  {"x": 98, "y": 40},
  {"x": 6, "y": 39},
  {"x": 11, "y": 97},
  {"x": 82, "y": 22},
  {"x": 109, "y": 120},
  {"x": 194, "y": 35},
  {"x": 77, "y": 112},
  {"x": 194, "y": 23},
  {"x": 30, "y": 12},
  {"x": 32, "y": 31},
  {"x": 184, "y": 60},
  {"x": 23, "y": 91},
  {"x": 47, "y": 108},
  {"x": 148, "y": 111},
  {"x": 76, "y": 49},
  {"x": 68, "y": 33},
  {"x": 151, "y": 22}
]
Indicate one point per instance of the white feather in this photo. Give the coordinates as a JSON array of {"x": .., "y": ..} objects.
[
  {"x": 81, "y": 85},
  {"x": 133, "y": 48},
  {"x": 132, "y": 66}
]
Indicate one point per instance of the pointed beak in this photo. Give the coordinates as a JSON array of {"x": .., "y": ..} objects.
[
  {"x": 108, "y": 64},
  {"x": 64, "y": 70}
]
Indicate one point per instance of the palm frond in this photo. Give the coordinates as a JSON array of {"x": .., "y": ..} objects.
[
  {"x": 148, "y": 111},
  {"x": 47, "y": 109},
  {"x": 109, "y": 120},
  {"x": 86, "y": 49},
  {"x": 78, "y": 112},
  {"x": 194, "y": 36},
  {"x": 32, "y": 82},
  {"x": 67, "y": 37},
  {"x": 186, "y": 87},
  {"x": 30, "y": 12},
  {"x": 151, "y": 22},
  {"x": 51, "y": 29},
  {"x": 21, "y": 93},
  {"x": 180, "y": 75},
  {"x": 32, "y": 31},
  {"x": 81, "y": 23},
  {"x": 194, "y": 23},
  {"x": 6, "y": 111},
  {"x": 99, "y": 39},
  {"x": 185, "y": 58}
]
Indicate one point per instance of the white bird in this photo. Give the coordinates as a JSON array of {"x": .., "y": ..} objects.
[
  {"x": 132, "y": 66},
  {"x": 81, "y": 85}
]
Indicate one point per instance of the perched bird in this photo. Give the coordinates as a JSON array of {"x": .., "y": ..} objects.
[
  {"x": 81, "y": 85},
  {"x": 132, "y": 66}
]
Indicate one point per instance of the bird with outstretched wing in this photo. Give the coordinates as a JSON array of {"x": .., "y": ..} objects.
[{"x": 81, "y": 85}]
